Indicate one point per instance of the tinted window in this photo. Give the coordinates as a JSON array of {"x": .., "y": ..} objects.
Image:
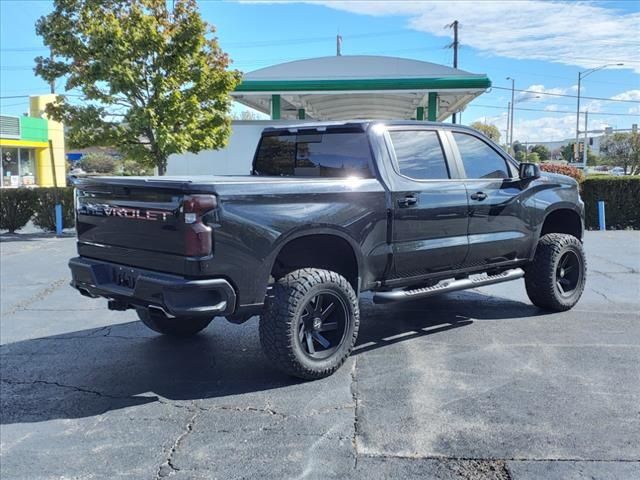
[
  {"x": 479, "y": 159},
  {"x": 315, "y": 155},
  {"x": 419, "y": 154}
]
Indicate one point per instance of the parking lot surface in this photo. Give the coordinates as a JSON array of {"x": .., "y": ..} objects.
[{"x": 474, "y": 385}]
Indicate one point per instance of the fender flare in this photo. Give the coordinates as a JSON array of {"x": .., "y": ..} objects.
[{"x": 307, "y": 231}]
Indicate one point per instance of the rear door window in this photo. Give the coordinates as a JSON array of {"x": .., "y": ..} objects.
[
  {"x": 314, "y": 155},
  {"x": 419, "y": 154}
]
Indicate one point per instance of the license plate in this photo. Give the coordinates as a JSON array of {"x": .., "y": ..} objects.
[{"x": 124, "y": 277}]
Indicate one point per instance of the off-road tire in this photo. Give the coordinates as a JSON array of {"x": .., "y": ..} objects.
[
  {"x": 280, "y": 320},
  {"x": 541, "y": 277},
  {"x": 174, "y": 327}
]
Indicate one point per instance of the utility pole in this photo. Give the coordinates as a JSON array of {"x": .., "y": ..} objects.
[
  {"x": 586, "y": 140},
  {"x": 513, "y": 103},
  {"x": 576, "y": 154},
  {"x": 339, "y": 45},
  {"x": 455, "y": 46},
  {"x": 52, "y": 84}
]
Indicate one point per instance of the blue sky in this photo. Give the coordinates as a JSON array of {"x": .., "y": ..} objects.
[{"x": 543, "y": 45}]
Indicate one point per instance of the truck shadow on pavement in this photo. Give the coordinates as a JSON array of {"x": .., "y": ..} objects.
[{"x": 91, "y": 372}]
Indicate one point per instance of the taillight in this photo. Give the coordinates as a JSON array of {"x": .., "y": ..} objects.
[{"x": 198, "y": 241}]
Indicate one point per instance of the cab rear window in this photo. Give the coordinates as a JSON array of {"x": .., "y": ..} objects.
[{"x": 314, "y": 155}]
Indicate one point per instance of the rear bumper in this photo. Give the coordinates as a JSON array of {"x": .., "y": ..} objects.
[{"x": 135, "y": 287}]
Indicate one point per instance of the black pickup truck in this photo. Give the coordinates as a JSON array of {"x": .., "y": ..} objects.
[{"x": 403, "y": 209}]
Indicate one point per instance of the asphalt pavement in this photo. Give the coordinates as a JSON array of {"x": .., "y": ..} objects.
[{"x": 471, "y": 385}]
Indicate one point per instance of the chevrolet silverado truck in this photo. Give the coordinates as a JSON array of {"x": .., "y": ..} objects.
[{"x": 404, "y": 210}]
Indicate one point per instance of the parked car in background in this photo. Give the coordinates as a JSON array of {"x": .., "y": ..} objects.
[{"x": 617, "y": 171}]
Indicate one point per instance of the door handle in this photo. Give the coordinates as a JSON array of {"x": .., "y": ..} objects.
[
  {"x": 407, "y": 201},
  {"x": 478, "y": 196}
]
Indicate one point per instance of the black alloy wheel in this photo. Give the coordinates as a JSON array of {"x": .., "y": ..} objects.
[
  {"x": 568, "y": 273},
  {"x": 322, "y": 325}
]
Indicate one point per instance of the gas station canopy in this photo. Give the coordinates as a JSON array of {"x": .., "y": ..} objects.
[{"x": 359, "y": 87}]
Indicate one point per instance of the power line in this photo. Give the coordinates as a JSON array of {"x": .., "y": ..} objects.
[
  {"x": 567, "y": 95},
  {"x": 537, "y": 74},
  {"x": 304, "y": 40},
  {"x": 558, "y": 111},
  {"x": 12, "y": 105}
]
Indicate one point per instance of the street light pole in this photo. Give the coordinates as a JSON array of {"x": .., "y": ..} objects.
[
  {"x": 508, "y": 123},
  {"x": 581, "y": 75},
  {"x": 586, "y": 140}
]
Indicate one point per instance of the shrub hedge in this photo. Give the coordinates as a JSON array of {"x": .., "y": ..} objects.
[
  {"x": 19, "y": 205},
  {"x": 622, "y": 201},
  {"x": 44, "y": 210},
  {"x": 572, "y": 172},
  {"x": 16, "y": 207}
]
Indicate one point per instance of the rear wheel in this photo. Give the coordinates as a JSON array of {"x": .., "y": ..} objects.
[
  {"x": 310, "y": 323},
  {"x": 555, "y": 280},
  {"x": 175, "y": 327}
]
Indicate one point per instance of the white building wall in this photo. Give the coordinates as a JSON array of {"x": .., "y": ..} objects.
[{"x": 235, "y": 159}]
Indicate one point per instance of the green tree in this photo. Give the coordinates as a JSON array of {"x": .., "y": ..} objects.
[
  {"x": 153, "y": 81},
  {"x": 98, "y": 163},
  {"x": 622, "y": 149},
  {"x": 533, "y": 157},
  {"x": 542, "y": 151},
  {"x": 518, "y": 147},
  {"x": 489, "y": 130},
  {"x": 567, "y": 152},
  {"x": 248, "y": 115},
  {"x": 130, "y": 167}
]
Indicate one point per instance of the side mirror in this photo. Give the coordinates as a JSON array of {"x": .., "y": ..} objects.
[{"x": 528, "y": 171}]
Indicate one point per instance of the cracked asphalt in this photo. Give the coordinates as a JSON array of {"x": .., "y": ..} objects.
[{"x": 471, "y": 385}]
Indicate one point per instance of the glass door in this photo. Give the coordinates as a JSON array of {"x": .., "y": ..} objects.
[{"x": 27, "y": 166}]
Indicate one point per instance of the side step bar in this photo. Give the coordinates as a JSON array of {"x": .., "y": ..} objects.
[{"x": 448, "y": 286}]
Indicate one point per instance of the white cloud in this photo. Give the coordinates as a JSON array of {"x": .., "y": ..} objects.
[
  {"x": 537, "y": 92},
  {"x": 542, "y": 129},
  {"x": 629, "y": 95},
  {"x": 571, "y": 33},
  {"x": 592, "y": 106}
]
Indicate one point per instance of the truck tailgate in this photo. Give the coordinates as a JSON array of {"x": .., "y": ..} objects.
[{"x": 131, "y": 213}]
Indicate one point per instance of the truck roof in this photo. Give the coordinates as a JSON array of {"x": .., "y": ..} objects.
[{"x": 355, "y": 125}]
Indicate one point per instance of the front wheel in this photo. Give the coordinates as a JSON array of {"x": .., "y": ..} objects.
[
  {"x": 174, "y": 327},
  {"x": 310, "y": 323},
  {"x": 555, "y": 279}
]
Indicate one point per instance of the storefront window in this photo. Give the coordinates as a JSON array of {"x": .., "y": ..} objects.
[
  {"x": 27, "y": 166},
  {"x": 10, "y": 167},
  {"x": 18, "y": 166}
]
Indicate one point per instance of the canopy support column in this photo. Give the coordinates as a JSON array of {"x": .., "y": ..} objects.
[
  {"x": 432, "y": 113},
  {"x": 301, "y": 114},
  {"x": 275, "y": 107},
  {"x": 420, "y": 113}
]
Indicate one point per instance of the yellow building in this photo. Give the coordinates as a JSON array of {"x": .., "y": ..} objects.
[{"x": 25, "y": 147}]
